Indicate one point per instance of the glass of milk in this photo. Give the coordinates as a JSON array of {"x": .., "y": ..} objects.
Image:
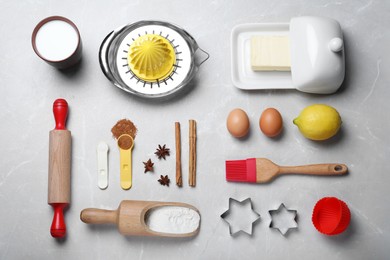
[{"x": 57, "y": 41}]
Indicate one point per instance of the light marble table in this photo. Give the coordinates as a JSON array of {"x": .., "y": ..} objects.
[{"x": 29, "y": 87}]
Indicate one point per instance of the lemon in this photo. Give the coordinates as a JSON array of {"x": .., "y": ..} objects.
[{"x": 318, "y": 122}]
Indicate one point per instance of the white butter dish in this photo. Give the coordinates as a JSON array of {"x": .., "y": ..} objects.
[
  {"x": 317, "y": 56},
  {"x": 243, "y": 76}
]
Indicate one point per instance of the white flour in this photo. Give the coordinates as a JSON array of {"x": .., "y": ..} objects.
[{"x": 172, "y": 220}]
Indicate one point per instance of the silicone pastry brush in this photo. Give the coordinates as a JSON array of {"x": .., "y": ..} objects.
[
  {"x": 59, "y": 168},
  {"x": 262, "y": 170}
]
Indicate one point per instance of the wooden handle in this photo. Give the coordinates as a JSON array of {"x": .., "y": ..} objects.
[
  {"x": 315, "y": 169},
  {"x": 99, "y": 216}
]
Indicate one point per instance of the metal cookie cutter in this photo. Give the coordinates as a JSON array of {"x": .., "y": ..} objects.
[
  {"x": 240, "y": 216},
  {"x": 283, "y": 219}
]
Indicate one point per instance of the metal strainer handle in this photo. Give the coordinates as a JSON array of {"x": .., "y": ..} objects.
[{"x": 207, "y": 56}]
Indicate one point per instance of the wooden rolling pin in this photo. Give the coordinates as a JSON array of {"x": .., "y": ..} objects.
[{"x": 59, "y": 168}]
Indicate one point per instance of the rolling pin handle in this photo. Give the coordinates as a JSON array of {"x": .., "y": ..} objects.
[
  {"x": 58, "y": 227},
  {"x": 60, "y": 111}
]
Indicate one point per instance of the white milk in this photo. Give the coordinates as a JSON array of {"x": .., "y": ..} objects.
[
  {"x": 56, "y": 40},
  {"x": 173, "y": 220}
]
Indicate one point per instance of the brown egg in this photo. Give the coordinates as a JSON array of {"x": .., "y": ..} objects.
[
  {"x": 271, "y": 122},
  {"x": 237, "y": 123}
]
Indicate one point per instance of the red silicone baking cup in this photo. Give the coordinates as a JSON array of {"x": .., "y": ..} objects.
[{"x": 331, "y": 216}]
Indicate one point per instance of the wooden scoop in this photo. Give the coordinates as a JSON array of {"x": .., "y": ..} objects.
[
  {"x": 131, "y": 216},
  {"x": 262, "y": 170}
]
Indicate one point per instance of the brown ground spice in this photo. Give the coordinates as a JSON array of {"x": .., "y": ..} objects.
[
  {"x": 125, "y": 142},
  {"x": 124, "y": 126}
]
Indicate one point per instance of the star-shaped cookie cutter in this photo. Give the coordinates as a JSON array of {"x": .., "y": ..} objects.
[
  {"x": 282, "y": 209},
  {"x": 229, "y": 211}
]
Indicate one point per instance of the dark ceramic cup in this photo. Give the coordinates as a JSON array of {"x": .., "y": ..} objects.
[{"x": 65, "y": 62}]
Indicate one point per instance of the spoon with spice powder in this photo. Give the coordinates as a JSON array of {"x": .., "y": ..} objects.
[{"x": 125, "y": 131}]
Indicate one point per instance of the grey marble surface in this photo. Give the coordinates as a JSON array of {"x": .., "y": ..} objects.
[{"x": 29, "y": 87}]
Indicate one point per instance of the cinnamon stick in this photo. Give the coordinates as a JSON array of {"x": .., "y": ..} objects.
[
  {"x": 192, "y": 159},
  {"x": 179, "y": 180}
]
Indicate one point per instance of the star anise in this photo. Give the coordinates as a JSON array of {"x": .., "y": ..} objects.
[
  {"x": 162, "y": 152},
  {"x": 148, "y": 166},
  {"x": 164, "y": 180}
]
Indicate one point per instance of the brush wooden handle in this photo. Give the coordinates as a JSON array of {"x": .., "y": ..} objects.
[
  {"x": 99, "y": 216},
  {"x": 315, "y": 169}
]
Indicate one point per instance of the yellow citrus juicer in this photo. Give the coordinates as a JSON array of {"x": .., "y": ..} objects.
[
  {"x": 125, "y": 144},
  {"x": 150, "y": 59}
]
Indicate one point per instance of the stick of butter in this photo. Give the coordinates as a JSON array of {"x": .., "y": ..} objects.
[{"x": 270, "y": 53}]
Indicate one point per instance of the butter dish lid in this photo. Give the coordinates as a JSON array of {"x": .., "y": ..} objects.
[{"x": 317, "y": 54}]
